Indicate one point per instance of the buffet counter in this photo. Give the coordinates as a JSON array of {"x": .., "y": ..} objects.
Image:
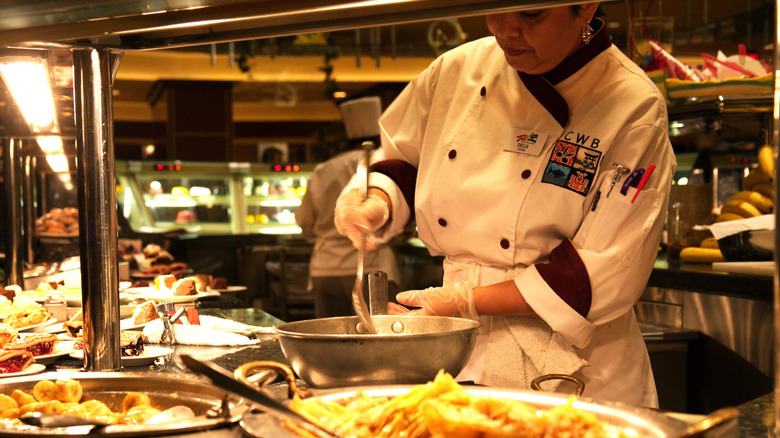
[
  {"x": 700, "y": 277},
  {"x": 752, "y": 419}
]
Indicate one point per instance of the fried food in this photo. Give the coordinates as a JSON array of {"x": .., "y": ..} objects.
[
  {"x": 64, "y": 396},
  {"x": 444, "y": 408}
]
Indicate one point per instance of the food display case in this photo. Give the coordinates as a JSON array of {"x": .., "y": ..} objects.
[{"x": 211, "y": 198}]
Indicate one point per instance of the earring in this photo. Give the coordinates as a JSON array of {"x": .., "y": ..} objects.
[{"x": 585, "y": 33}]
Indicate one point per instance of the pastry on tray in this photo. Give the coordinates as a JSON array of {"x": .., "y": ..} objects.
[
  {"x": 219, "y": 283},
  {"x": 184, "y": 287},
  {"x": 28, "y": 316},
  {"x": 202, "y": 282},
  {"x": 14, "y": 361},
  {"x": 164, "y": 282},
  {"x": 131, "y": 343},
  {"x": 7, "y": 334},
  {"x": 144, "y": 313},
  {"x": 38, "y": 345}
]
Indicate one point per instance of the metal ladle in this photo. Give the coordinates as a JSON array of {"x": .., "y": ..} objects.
[{"x": 358, "y": 301}]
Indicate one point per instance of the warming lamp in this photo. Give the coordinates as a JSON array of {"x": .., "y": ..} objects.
[{"x": 27, "y": 78}]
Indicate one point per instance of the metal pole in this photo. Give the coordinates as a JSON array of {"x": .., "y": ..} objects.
[
  {"x": 28, "y": 191},
  {"x": 97, "y": 208},
  {"x": 775, "y": 284},
  {"x": 14, "y": 239}
]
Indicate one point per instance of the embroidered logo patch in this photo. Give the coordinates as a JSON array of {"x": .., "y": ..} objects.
[{"x": 572, "y": 166}]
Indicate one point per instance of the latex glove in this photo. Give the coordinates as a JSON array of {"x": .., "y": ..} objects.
[
  {"x": 455, "y": 300},
  {"x": 353, "y": 217}
]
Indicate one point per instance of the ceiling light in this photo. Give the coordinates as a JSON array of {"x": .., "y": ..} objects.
[
  {"x": 50, "y": 145},
  {"x": 339, "y": 94},
  {"x": 58, "y": 162},
  {"x": 27, "y": 78}
]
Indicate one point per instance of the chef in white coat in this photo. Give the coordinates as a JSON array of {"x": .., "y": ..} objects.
[
  {"x": 334, "y": 260},
  {"x": 516, "y": 154}
]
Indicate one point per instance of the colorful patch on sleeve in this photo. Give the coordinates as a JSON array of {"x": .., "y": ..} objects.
[{"x": 572, "y": 166}]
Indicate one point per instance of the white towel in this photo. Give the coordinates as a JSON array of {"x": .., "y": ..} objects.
[
  {"x": 521, "y": 349},
  {"x": 196, "y": 335}
]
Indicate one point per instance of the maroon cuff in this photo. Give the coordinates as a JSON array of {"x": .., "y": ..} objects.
[
  {"x": 567, "y": 276},
  {"x": 403, "y": 174}
]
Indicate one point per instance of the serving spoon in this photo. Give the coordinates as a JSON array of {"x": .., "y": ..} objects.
[{"x": 358, "y": 301}]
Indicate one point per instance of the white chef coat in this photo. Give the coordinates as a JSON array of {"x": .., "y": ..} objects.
[
  {"x": 486, "y": 194},
  {"x": 333, "y": 254}
]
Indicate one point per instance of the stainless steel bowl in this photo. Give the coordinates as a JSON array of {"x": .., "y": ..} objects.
[
  {"x": 329, "y": 352},
  {"x": 748, "y": 246},
  {"x": 165, "y": 390}
]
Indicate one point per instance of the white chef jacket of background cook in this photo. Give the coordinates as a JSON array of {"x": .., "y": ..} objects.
[
  {"x": 483, "y": 196},
  {"x": 333, "y": 254}
]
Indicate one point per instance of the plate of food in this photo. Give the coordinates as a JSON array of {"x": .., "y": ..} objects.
[
  {"x": 35, "y": 328},
  {"x": 140, "y": 290},
  {"x": 73, "y": 297},
  {"x": 38, "y": 296},
  {"x": 149, "y": 355},
  {"x": 165, "y": 295},
  {"x": 16, "y": 304},
  {"x": 129, "y": 324},
  {"x": 230, "y": 289},
  {"x": 31, "y": 369},
  {"x": 46, "y": 348}
]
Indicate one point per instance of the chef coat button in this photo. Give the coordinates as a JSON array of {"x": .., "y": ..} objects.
[
  {"x": 442, "y": 222},
  {"x": 483, "y": 92},
  {"x": 452, "y": 154},
  {"x": 526, "y": 174},
  {"x": 504, "y": 243}
]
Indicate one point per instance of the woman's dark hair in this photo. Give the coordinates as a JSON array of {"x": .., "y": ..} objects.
[{"x": 575, "y": 9}]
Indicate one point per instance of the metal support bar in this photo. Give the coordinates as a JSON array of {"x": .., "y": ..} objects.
[
  {"x": 97, "y": 208},
  {"x": 776, "y": 286},
  {"x": 376, "y": 45},
  {"x": 357, "y": 48},
  {"x": 393, "y": 43},
  {"x": 28, "y": 206},
  {"x": 12, "y": 174}
]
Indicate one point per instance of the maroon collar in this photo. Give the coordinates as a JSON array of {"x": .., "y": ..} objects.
[{"x": 542, "y": 86}]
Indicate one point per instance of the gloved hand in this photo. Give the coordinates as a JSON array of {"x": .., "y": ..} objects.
[
  {"x": 455, "y": 300},
  {"x": 353, "y": 217}
]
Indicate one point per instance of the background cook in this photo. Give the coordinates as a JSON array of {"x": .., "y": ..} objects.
[{"x": 505, "y": 150}]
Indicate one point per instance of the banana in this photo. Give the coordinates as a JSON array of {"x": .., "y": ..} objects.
[
  {"x": 724, "y": 217},
  {"x": 10, "y": 413},
  {"x": 133, "y": 399},
  {"x": 757, "y": 175},
  {"x": 67, "y": 390},
  {"x": 710, "y": 242},
  {"x": 22, "y": 398},
  {"x": 766, "y": 160},
  {"x": 741, "y": 208},
  {"x": 44, "y": 391},
  {"x": 761, "y": 202},
  {"x": 7, "y": 402},
  {"x": 695, "y": 254},
  {"x": 49, "y": 407},
  {"x": 766, "y": 189}
]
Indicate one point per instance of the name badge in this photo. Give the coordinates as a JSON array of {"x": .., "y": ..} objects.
[{"x": 527, "y": 142}]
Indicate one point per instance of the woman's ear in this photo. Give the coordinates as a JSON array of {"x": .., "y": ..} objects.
[{"x": 588, "y": 10}]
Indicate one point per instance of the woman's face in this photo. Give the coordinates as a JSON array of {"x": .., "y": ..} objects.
[{"x": 536, "y": 41}]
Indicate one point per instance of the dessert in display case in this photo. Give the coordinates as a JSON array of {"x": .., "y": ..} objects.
[{"x": 211, "y": 198}]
